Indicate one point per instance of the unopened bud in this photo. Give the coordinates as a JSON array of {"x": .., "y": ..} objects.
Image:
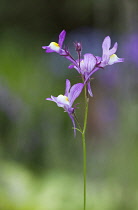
[{"x": 78, "y": 47}]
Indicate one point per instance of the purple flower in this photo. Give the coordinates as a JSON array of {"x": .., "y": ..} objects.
[
  {"x": 66, "y": 101},
  {"x": 56, "y": 47},
  {"x": 109, "y": 57},
  {"x": 85, "y": 67},
  {"x": 90, "y": 63}
]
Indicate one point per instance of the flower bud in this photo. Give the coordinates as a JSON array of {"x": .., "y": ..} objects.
[{"x": 78, "y": 47}]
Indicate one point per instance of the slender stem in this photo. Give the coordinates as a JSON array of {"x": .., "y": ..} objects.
[
  {"x": 86, "y": 109},
  {"x": 84, "y": 144},
  {"x": 79, "y": 56},
  {"x": 84, "y": 169}
]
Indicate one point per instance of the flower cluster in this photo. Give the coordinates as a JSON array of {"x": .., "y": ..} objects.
[{"x": 86, "y": 66}]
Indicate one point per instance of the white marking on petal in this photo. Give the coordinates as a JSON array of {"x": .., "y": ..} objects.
[
  {"x": 63, "y": 99},
  {"x": 113, "y": 59},
  {"x": 54, "y": 46}
]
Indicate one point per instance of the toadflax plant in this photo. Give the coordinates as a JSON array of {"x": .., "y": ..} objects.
[{"x": 86, "y": 66}]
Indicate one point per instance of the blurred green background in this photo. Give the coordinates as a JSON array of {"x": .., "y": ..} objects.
[{"x": 40, "y": 161}]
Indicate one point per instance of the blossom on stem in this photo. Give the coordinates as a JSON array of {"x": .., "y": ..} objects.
[
  {"x": 56, "y": 47},
  {"x": 66, "y": 101},
  {"x": 109, "y": 57},
  {"x": 90, "y": 63},
  {"x": 85, "y": 67}
]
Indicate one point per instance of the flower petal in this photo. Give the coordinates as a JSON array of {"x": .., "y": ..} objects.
[
  {"x": 114, "y": 59},
  {"x": 61, "y": 38},
  {"x": 89, "y": 89},
  {"x": 53, "y": 98},
  {"x": 88, "y": 76},
  {"x": 75, "y": 92},
  {"x": 71, "y": 66},
  {"x": 48, "y": 49},
  {"x": 59, "y": 103},
  {"x": 98, "y": 59},
  {"x": 114, "y": 49},
  {"x": 68, "y": 85},
  {"x": 49, "y": 99},
  {"x": 106, "y": 44},
  {"x": 89, "y": 62}
]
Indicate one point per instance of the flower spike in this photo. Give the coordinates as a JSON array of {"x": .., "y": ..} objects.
[{"x": 86, "y": 67}]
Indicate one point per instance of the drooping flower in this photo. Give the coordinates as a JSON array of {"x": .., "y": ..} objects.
[
  {"x": 109, "y": 57},
  {"x": 66, "y": 101}
]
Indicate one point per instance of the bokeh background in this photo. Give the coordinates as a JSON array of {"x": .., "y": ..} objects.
[{"x": 40, "y": 161}]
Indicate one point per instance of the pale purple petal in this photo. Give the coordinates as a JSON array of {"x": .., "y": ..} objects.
[
  {"x": 89, "y": 89},
  {"x": 54, "y": 99},
  {"x": 89, "y": 62},
  {"x": 71, "y": 66},
  {"x": 117, "y": 61},
  {"x": 105, "y": 59},
  {"x": 121, "y": 59},
  {"x": 75, "y": 92},
  {"x": 59, "y": 103},
  {"x": 44, "y": 47},
  {"x": 114, "y": 59},
  {"x": 114, "y": 49},
  {"x": 98, "y": 59},
  {"x": 61, "y": 38},
  {"x": 48, "y": 49},
  {"x": 106, "y": 44},
  {"x": 49, "y": 99},
  {"x": 68, "y": 85},
  {"x": 88, "y": 76}
]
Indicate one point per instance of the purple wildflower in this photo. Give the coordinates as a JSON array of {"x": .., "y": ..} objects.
[
  {"x": 56, "y": 47},
  {"x": 90, "y": 63},
  {"x": 85, "y": 67},
  {"x": 109, "y": 57},
  {"x": 66, "y": 101}
]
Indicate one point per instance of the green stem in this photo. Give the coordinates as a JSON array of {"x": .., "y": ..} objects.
[{"x": 84, "y": 144}]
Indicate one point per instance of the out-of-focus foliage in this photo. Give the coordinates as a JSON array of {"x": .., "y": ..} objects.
[
  {"x": 40, "y": 161},
  {"x": 60, "y": 190}
]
